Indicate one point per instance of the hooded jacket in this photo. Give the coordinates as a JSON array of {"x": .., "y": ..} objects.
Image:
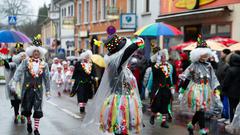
[{"x": 231, "y": 83}]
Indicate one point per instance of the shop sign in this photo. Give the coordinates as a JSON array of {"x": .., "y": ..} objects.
[
  {"x": 192, "y": 4},
  {"x": 68, "y": 22},
  {"x": 128, "y": 21},
  {"x": 54, "y": 15}
]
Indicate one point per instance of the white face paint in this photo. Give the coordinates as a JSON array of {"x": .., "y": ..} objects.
[
  {"x": 36, "y": 54},
  {"x": 204, "y": 57}
]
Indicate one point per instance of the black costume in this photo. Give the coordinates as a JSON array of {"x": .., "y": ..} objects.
[
  {"x": 83, "y": 83},
  {"x": 161, "y": 94}
]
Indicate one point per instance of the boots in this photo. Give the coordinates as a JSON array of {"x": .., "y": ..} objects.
[
  {"x": 190, "y": 128},
  {"x": 29, "y": 128},
  {"x": 82, "y": 110},
  {"x": 36, "y": 132},
  {"x": 16, "y": 120},
  {"x": 152, "y": 120}
]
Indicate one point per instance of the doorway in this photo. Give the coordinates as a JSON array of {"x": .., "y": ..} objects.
[{"x": 191, "y": 32}]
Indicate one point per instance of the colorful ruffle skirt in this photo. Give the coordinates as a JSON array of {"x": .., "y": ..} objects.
[
  {"x": 121, "y": 114},
  {"x": 196, "y": 97}
]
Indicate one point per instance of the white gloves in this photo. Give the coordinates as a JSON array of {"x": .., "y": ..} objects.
[
  {"x": 146, "y": 93},
  {"x": 180, "y": 96},
  {"x": 172, "y": 90},
  {"x": 12, "y": 85}
]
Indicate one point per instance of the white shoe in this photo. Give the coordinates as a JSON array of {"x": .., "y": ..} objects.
[
  {"x": 221, "y": 120},
  {"x": 227, "y": 122}
]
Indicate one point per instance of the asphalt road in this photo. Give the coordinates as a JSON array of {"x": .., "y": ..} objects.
[{"x": 61, "y": 117}]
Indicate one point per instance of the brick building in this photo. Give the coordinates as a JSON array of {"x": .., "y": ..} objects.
[{"x": 93, "y": 20}]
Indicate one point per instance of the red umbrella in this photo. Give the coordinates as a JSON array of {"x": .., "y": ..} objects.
[
  {"x": 179, "y": 47},
  {"x": 223, "y": 40}
]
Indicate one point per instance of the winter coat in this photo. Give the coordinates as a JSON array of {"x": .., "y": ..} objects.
[
  {"x": 231, "y": 83},
  {"x": 221, "y": 71}
]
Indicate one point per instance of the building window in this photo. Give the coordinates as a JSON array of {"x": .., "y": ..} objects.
[
  {"x": 104, "y": 9},
  {"x": 131, "y": 6},
  {"x": 223, "y": 28},
  {"x": 147, "y": 6},
  {"x": 65, "y": 11},
  {"x": 87, "y": 11},
  {"x": 209, "y": 29},
  {"x": 113, "y": 3},
  {"x": 95, "y": 10},
  {"x": 80, "y": 13},
  {"x": 71, "y": 10}
]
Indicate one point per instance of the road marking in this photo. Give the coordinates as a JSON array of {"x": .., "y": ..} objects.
[{"x": 64, "y": 110}]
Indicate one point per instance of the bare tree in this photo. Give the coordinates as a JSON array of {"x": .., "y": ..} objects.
[{"x": 15, "y": 7}]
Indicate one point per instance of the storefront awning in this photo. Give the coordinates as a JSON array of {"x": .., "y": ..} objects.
[{"x": 192, "y": 14}]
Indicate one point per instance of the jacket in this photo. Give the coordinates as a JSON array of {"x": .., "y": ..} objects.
[{"x": 231, "y": 83}]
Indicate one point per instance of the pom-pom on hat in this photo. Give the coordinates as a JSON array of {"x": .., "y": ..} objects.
[
  {"x": 37, "y": 40},
  {"x": 201, "y": 43},
  {"x": 19, "y": 47},
  {"x": 114, "y": 43}
]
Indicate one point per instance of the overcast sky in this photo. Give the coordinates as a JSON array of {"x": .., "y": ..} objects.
[
  {"x": 34, "y": 5},
  {"x": 38, "y": 3}
]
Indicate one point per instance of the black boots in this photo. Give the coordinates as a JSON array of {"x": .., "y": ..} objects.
[
  {"x": 29, "y": 128},
  {"x": 190, "y": 128},
  {"x": 36, "y": 132},
  {"x": 152, "y": 120},
  {"x": 82, "y": 110}
]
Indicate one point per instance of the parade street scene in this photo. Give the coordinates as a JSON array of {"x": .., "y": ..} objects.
[{"x": 119, "y": 67}]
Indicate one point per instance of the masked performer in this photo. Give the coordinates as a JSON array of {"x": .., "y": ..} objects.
[
  {"x": 197, "y": 97},
  {"x": 35, "y": 71},
  {"x": 116, "y": 107},
  {"x": 162, "y": 88},
  {"x": 84, "y": 76},
  {"x": 10, "y": 68}
]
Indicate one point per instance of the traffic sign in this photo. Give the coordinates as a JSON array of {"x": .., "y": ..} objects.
[{"x": 12, "y": 20}]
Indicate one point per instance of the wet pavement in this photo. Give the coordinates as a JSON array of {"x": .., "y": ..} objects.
[{"x": 61, "y": 117}]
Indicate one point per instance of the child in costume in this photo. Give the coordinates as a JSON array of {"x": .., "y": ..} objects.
[
  {"x": 58, "y": 80},
  {"x": 116, "y": 107},
  {"x": 83, "y": 76},
  {"x": 10, "y": 68},
  {"x": 162, "y": 88},
  {"x": 56, "y": 62},
  {"x": 65, "y": 70},
  {"x": 197, "y": 97},
  {"x": 36, "y": 72},
  {"x": 68, "y": 78}
]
